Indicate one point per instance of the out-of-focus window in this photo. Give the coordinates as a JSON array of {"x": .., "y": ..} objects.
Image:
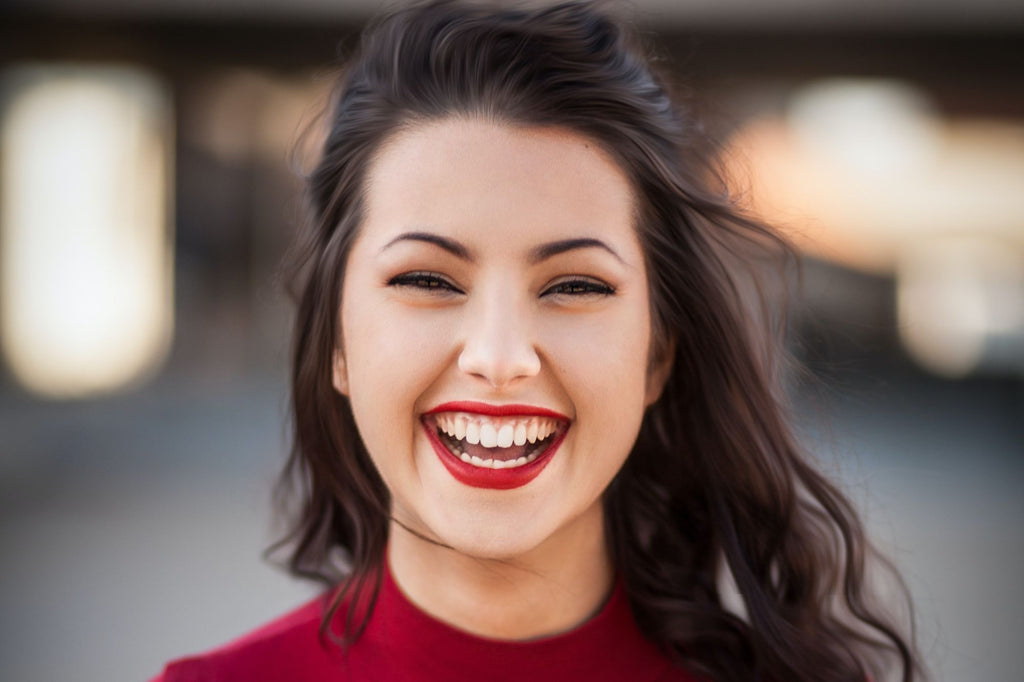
[
  {"x": 86, "y": 276},
  {"x": 867, "y": 174}
]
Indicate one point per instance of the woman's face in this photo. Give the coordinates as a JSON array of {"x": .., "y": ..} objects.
[{"x": 496, "y": 331}]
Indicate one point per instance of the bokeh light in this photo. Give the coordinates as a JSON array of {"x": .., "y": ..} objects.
[{"x": 86, "y": 254}]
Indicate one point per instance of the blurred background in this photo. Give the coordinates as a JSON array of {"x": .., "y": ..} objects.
[{"x": 148, "y": 190}]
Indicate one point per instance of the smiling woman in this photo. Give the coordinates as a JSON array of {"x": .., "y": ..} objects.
[
  {"x": 534, "y": 434},
  {"x": 528, "y": 298}
]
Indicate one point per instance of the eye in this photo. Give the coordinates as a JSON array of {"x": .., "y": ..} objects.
[
  {"x": 428, "y": 281},
  {"x": 579, "y": 287}
]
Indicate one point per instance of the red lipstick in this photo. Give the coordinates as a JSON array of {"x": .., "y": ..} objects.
[
  {"x": 497, "y": 410},
  {"x": 483, "y": 477}
]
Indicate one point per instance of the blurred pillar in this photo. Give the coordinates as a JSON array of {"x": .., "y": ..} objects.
[{"x": 86, "y": 276}]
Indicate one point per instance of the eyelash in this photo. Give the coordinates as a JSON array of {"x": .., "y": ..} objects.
[
  {"x": 423, "y": 280},
  {"x": 580, "y": 287},
  {"x": 432, "y": 282}
]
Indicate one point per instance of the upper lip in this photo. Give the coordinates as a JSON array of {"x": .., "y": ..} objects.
[{"x": 509, "y": 410}]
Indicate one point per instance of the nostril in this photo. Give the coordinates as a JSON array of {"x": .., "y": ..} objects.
[
  {"x": 498, "y": 344},
  {"x": 499, "y": 366}
]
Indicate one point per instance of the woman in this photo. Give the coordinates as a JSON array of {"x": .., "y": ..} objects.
[{"x": 534, "y": 434}]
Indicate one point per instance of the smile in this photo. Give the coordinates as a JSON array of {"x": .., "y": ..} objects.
[
  {"x": 492, "y": 446},
  {"x": 500, "y": 443}
]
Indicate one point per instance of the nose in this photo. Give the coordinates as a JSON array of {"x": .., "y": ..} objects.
[{"x": 498, "y": 345}]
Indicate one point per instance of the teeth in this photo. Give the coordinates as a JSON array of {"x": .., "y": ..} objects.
[
  {"x": 496, "y": 463},
  {"x": 520, "y": 435},
  {"x": 488, "y": 436},
  {"x": 473, "y": 433},
  {"x": 496, "y": 432}
]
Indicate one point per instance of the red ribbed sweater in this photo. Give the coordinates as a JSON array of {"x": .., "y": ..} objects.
[{"x": 403, "y": 644}]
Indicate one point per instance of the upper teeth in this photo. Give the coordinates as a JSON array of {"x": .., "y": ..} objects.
[{"x": 495, "y": 432}]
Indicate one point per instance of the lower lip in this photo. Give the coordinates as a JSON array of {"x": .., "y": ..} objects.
[{"x": 496, "y": 479}]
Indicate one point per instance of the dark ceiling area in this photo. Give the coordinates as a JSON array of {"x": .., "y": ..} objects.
[{"x": 969, "y": 71}]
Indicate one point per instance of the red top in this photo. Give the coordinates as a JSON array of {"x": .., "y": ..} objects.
[{"x": 403, "y": 644}]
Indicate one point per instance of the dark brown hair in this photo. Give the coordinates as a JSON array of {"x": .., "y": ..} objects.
[{"x": 715, "y": 481}]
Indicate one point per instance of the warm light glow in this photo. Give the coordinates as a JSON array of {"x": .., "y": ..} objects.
[
  {"x": 864, "y": 173},
  {"x": 875, "y": 129},
  {"x": 956, "y": 297},
  {"x": 86, "y": 251},
  {"x": 857, "y": 172}
]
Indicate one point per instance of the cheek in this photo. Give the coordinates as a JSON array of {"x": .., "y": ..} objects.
[
  {"x": 600, "y": 349},
  {"x": 375, "y": 363},
  {"x": 392, "y": 356},
  {"x": 390, "y": 350},
  {"x": 602, "y": 363}
]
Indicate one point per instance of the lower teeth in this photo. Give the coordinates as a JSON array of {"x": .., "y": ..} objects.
[{"x": 496, "y": 463}]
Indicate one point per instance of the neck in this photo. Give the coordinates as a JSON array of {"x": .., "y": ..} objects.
[{"x": 551, "y": 589}]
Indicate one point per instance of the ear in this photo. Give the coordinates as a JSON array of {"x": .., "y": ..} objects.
[
  {"x": 658, "y": 370},
  {"x": 339, "y": 373}
]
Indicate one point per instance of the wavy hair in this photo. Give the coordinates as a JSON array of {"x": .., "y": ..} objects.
[{"x": 716, "y": 483}]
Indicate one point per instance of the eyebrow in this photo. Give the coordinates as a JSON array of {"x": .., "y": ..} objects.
[
  {"x": 537, "y": 254},
  {"x": 551, "y": 249},
  {"x": 450, "y": 245}
]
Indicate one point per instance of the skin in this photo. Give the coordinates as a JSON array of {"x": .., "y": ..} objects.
[{"x": 498, "y": 326}]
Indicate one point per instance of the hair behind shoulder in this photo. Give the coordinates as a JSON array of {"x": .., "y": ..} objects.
[{"x": 716, "y": 481}]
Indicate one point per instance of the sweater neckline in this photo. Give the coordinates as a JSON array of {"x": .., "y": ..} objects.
[{"x": 608, "y": 645}]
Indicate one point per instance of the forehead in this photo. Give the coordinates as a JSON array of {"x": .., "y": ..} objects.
[{"x": 472, "y": 176}]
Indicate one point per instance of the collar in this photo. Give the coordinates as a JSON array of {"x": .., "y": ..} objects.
[{"x": 413, "y": 645}]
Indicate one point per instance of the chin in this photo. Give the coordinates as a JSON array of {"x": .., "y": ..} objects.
[{"x": 483, "y": 541}]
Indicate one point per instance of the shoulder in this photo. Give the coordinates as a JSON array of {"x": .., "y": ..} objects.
[{"x": 288, "y": 647}]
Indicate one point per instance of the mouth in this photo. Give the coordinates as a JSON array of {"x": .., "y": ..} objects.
[{"x": 494, "y": 447}]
